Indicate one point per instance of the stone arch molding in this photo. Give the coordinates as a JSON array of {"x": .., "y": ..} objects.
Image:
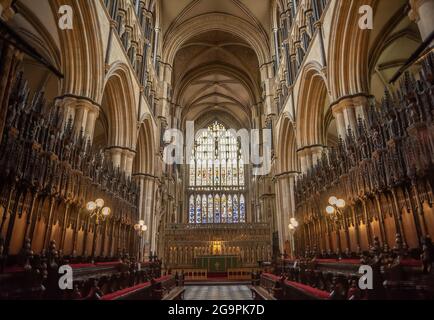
[
  {"x": 310, "y": 106},
  {"x": 286, "y": 148},
  {"x": 144, "y": 160},
  {"x": 82, "y": 55},
  {"x": 178, "y": 35},
  {"x": 121, "y": 106},
  {"x": 348, "y": 51}
]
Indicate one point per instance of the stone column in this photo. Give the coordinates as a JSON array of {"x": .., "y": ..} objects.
[
  {"x": 150, "y": 211},
  {"x": 165, "y": 98},
  {"x": 276, "y": 46},
  {"x": 340, "y": 123},
  {"x": 115, "y": 154},
  {"x": 146, "y": 184},
  {"x": 280, "y": 213},
  {"x": 286, "y": 206},
  {"x": 316, "y": 153},
  {"x": 361, "y": 104},
  {"x": 267, "y": 77},
  {"x": 156, "y": 44},
  {"x": 345, "y": 115},
  {"x": 347, "y": 107},
  {"x": 92, "y": 115},
  {"x": 82, "y": 111},
  {"x": 303, "y": 161},
  {"x": 422, "y": 12},
  {"x": 129, "y": 158}
]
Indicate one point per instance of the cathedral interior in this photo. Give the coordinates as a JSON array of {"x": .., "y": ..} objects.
[{"x": 230, "y": 149}]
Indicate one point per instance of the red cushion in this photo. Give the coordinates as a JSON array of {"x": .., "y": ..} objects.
[
  {"x": 411, "y": 263},
  {"x": 347, "y": 261},
  {"x": 271, "y": 276},
  {"x": 111, "y": 263},
  {"x": 162, "y": 279},
  {"x": 308, "y": 289},
  {"x": 81, "y": 265},
  {"x": 14, "y": 269},
  {"x": 118, "y": 294},
  {"x": 91, "y": 265}
]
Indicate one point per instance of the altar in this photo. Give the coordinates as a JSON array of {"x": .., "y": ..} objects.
[{"x": 217, "y": 263}]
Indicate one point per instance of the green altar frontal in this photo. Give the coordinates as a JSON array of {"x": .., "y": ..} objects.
[{"x": 217, "y": 263}]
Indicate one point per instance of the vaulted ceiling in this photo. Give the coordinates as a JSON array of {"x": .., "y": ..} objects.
[
  {"x": 177, "y": 11},
  {"x": 216, "y": 73}
]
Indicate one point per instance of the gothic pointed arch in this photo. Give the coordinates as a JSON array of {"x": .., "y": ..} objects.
[
  {"x": 213, "y": 22},
  {"x": 311, "y": 107},
  {"x": 119, "y": 107},
  {"x": 82, "y": 51},
  {"x": 348, "y": 51},
  {"x": 287, "y": 160},
  {"x": 144, "y": 162}
]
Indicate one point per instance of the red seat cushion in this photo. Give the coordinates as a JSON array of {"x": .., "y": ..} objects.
[
  {"x": 162, "y": 279},
  {"x": 111, "y": 263},
  {"x": 344, "y": 261},
  {"x": 310, "y": 290},
  {"x": 14, "y": 269},
  {"x": 118, "y": 294},
  {"x": 271, "y": 276},
  {"x": 90, "y": 265},
  {"x": 411, "y": 263},
  {"x": 81, "y": 265}
]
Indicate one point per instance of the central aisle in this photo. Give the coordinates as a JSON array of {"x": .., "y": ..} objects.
[{"x": 225, "y": 292}]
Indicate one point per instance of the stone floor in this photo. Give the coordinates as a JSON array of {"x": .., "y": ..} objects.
[{"x": 223, "y": 292}]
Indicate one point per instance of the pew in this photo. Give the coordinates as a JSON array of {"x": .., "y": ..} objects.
[
  {"x": 298, "y": 291},
  {"x": 283, "y": 289},
  {"x": 259, "y": 293},
  {"x": 152, "y": 290},
  {"x": 36, "y": 276},
  {"x": 176, "y": 294}
]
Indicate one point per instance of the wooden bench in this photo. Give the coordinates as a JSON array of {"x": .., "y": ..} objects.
[
  {"x": 290, "y": 290},
  {"x": 299, "y": 291},
  {"x": 144, "y": 291},
  {"x": 260, "y": 293},
  {"x": 139, "y": 292},
  {"x": 175, "y": 294}
]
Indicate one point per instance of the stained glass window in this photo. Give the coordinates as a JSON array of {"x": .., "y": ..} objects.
[
  {"x": 216, "y": 178},
  {"x": 242, "y": 209},
  {"x": 217, "y": 209},
  {"x": 224, "y": 209},
  {"x": 204, "y": 209},
  {"x": 192, "y": 214},
  {"x": 210, "y": 209},
  {"x": 198, "y": 210},
  {"x": 235, "y": 210},
  {"x": 229, "y": 219}
]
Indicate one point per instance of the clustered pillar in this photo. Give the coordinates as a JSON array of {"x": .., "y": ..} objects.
[
  {"x": 122, "y": 158},
  {"x": 82, "y": 112},
  {"x": 309, "y": 157},
  {"x": 347, "y": 112},
  {"x": 285, "y": 183},
  {"x": 146, "y": 206}
]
